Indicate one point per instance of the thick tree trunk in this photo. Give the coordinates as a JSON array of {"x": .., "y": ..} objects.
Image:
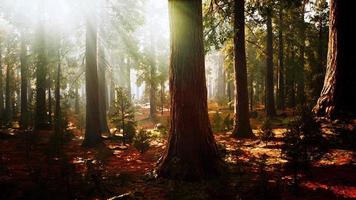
[
  {"x": 191, "y": 152},
  {"x": 270, "y": 107},
  {"x": 320, "y": 69},
  {"x": 92, "y": 129},
  {"x": 40, "y": 112},
  {"x": 242, "y": 126},
  {"x": 338, "y": 97},
  {"x": 281, "y": 86},
  {"x": 102, "y": 93},
  {"x": 24, "y": 81}
]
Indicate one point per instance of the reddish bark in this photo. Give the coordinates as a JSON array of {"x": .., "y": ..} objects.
[
  {"x": 270, "y": 107},
  {"x": 242, "y": 122},
  {"x": 92, "y": 129},
  {"x": 338, "y": 96},
  {"x": 191, "y": 152}
]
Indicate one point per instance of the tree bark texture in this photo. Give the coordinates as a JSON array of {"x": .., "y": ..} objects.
[
  {"x": 338, "y": 96},
  {"x": 191, "y": 152},
  {"x": 242, "y": 126}
]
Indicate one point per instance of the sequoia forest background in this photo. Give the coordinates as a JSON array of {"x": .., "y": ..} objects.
[{"x": 195, "y": 99}]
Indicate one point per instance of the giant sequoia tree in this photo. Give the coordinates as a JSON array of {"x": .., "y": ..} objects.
[
  {"x": 92, "y": 127},
  {"x": 338, "y": 96},
  {"x": 41, "y": 72},
  {"x": 242, "y": 122},
  {"x": 191, "y": 152}
]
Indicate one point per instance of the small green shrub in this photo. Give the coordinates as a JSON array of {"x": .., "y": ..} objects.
[
  {"x": 218, "y": 122},
  {"x": 266, "y": 132},
  {"x": 141, "y": 141},
  {"x": 228, "y": 122}
]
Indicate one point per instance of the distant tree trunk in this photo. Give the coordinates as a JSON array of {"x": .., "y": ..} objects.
[
  {"x": 251, "y": 93},
  {"x": 2, "y": 108},
  {"x": 57, "y": 94},
  {"x": 153, "y": 85},
  {"x": 92, "y": 131},
  {"x": 220, "y": 79},
  {"x": 191, "y": 152},
  {"x": 281, "y": 87},
  {"x": 102, "y": 93},
  {"x": 338, "y": 97},
  {"x": 8, "y": 106},
  {"x": 76, "y": 103},
  {"x": 49, "y": 99},
  {"x": 242, "y": 126},
  {"x": 112, "y": 92},
  {"x": 162, "y": 96},
  {"x": 270, "y": 107},
  {"x": 128, "y": 75},
  {"x": 301, "y": 84},
  {"x": 24, "y": 81},
  {"x": 291, "y": 78},
  {"x": 40, "y": 113}
]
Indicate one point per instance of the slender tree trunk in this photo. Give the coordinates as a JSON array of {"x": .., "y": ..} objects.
[
  {"x": 191, "y": 152},
  {"x": 153, "y": 85},
  {"x": 2, "y": 108},
  {"x": 128, "y": 74},
  {"x": 8, "y": 106},
  {"x": 270, "y": 107},
  {"x": 301, "y": 84},
  {"x": 102, "y": 93},
  {"x": 112, "y": 92},
  {"x": 281, "y": 87},
  {"x": 92, "y": 131},
  {"x": 76, "y": 103},
  {"x": 24, "y": 81},
  {"x": 251, "y": 94},
  {"x": 40, "y": 113},
  {"x": 220, "y": 79},
  {"x": 49, "y": 81},
  {"x": 338, "y": 97},
  {"x": 242, "y": 126},
  {"x": 57, "y": 94},
  {"x": 162, "y": 97}
]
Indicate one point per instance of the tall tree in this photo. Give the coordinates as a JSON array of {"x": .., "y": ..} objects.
[
  {"x": 281, "y": 86},
  {"x": 1, "y": 86},
  {"x": 191, "y": 152},
  {"x": 57, "y": 95},
  {"x": 102, "y": 91},
  {"x": 301, "y": 71},
  {"x": 8, "y": 91},
  {"x": 270, "y": 107},
  {"x": 242, "y": 126},
  {"x": 152, "y": 80},
  {"x": 92, "y": 129},
  {"x": 338, "y": 96},
  {"x": 41, "y": 119},
  {"x": 24, "y": 81}
]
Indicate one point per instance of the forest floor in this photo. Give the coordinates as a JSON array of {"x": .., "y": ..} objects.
[{"x": 255, "y": 170}]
